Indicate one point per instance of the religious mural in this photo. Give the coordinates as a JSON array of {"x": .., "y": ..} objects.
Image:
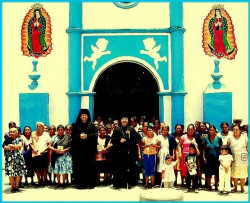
[
  {"x": 36, "y": 32},
  {"x": 218, "y": 34}
]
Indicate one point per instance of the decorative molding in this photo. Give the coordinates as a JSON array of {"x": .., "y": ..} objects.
[
  {"x": 126, "y": 5},
  {"x": 164, "y": 93},
  {"x": 98, "y": 51},
  {"x": 171, "y": 93},
  {"x": 102, "y": 31},
  {"x": 141, "y": 62},
  {"x": 152, "y": 50},
  {"x": 34, "y": 76},
  {"x": 72, "y": 30},
  {"x": 176, "y": 28},
  {"x": 84, "y": 93},
  {"x": 216, "y": 75}
]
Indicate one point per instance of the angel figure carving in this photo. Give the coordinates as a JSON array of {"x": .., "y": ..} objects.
[
  {"x": 152, "y": 51},
  {"x": 98, "y": 51}
]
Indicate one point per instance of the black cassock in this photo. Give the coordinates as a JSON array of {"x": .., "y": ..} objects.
[
  {"x": 83, "y": 154},
  {"x": 124, "y": 156}
]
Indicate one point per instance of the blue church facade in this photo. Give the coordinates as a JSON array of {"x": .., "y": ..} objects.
[
  {"x": 89, "y": 52},
  {"x": 127, "y": 45}
]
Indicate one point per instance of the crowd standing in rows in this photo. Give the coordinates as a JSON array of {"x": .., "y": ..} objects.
[{"x": 84, "y": 150}]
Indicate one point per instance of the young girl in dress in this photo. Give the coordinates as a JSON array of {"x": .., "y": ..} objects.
[
  {"x": 225, "y": 170},
  {"x": 168, "y": 175}
]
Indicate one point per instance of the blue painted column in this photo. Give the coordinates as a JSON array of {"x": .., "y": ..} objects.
[
  {"x": 161, "y": 113},
  {"x": 177, "y": 70},
  {"x": 91, "y": 107},
  {"x": 75, "y": 25}
]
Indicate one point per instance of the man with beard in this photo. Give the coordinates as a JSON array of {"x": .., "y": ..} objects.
[{"x": 125, "y": 152}]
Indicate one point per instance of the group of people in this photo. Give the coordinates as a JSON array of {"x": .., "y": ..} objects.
[{"x": 123, "y": 152}]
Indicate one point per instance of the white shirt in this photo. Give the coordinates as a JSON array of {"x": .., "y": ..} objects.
[
  {"x": 225, "y": 137},
  {"x": 25, "y": 142},
  {"x": 100, "y": 143},
  {"x": 163, "y": 152},
  {"x": 225, "y": 159},
  {"x": 42, "y": 143},
  {"x": 136, "y": 127},
  {"x": 169, "y": 175}
]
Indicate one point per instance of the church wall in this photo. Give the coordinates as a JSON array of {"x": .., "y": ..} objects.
[
  {"x": 54, "y": 67},
  {"x": 198, "y": 66},
  {"x": 117, "y": 18},
  {"x": 16, "y": 67}
]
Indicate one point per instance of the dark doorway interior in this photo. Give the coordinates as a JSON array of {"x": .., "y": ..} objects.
[{"x": 126, "y": 89}]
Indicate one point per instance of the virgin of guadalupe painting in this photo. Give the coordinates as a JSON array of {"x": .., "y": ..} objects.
[
  {"x": 36, "y": 32},
  {"x": 218, "y": 34}
]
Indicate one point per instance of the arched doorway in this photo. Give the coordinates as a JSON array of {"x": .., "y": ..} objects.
[{"x": 126, "y": 89}]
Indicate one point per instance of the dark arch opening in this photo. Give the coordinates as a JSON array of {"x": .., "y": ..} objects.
[{"x": 126, "y": 89}]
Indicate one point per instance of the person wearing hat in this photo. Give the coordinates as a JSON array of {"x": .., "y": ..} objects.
[
  {"x": 84, "y": 142},
  {"x": 40, "y": 141},
  {"x": 125, "y": 147}
]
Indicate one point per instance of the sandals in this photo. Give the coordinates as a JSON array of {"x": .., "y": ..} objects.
[
  {"x": 13, "y": 190},
  {"x": 58, "y": 185}
]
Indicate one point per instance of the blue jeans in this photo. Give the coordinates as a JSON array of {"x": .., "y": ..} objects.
[{"x": 149, "y": 164}]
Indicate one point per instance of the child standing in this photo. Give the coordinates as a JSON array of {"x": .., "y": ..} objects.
[
  {"x": 192, "y": 169},
  {"x": 225, "y": 170},
  {"x": 168, "y": 175}
]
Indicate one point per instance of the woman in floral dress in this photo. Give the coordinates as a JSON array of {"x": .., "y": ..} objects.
[
  {"x": 61, "y": 160},
  {"x": 14, "y": 162}
]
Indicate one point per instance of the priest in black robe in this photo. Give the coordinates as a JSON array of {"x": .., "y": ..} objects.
[
  {"x": 84, "y": 142},
  {"x": 125, "y": 151}
]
